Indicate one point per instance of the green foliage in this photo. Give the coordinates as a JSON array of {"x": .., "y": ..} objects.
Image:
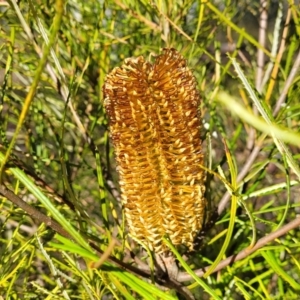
[{"x": 62, "y": 232}]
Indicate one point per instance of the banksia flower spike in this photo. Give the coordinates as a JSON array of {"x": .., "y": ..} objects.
[{"x": 155, "y": 129}]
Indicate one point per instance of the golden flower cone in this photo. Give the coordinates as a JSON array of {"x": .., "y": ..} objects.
[{"x": 155, "y": 129}]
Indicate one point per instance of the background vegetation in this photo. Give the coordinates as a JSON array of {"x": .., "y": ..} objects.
[{"x": 62, "y": 235}]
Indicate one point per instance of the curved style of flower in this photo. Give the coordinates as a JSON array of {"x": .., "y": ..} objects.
[{"x": 155, "y": 129}]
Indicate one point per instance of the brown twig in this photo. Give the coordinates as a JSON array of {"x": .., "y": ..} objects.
[
  {"x": 263, "y": 23},
  {"x": 39, "y": 217},
  {"x": 278, "y": 58},
  {"x": 246, "y": 252},
  {"x": 33, "y": 212},
  {"x": 287, "y": 84}
]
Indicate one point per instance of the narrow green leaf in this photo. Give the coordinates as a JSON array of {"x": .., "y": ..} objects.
[
  {"x": 234, "y": 201},
  {"x": 201, "y": 282},
  {"x": 271, "y": 260},
  {"x": 29, "y": 184}
]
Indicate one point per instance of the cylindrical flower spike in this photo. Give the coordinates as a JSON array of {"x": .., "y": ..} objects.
[{"x": 155, "y": 129}]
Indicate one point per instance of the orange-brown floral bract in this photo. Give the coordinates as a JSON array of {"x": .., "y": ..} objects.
[{"x": 155, "y": 129}]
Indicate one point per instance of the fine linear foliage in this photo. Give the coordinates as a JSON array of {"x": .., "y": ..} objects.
[{"x": 155, "y": 128}]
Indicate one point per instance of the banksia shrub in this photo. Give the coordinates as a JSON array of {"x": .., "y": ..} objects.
[{"x": 155, "y": 129}]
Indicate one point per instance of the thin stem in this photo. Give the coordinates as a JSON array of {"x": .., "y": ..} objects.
[
  {"x": 243, "y": 173},
  {"x": 263, "y": 23},
  {"x": 287, "y": 85},
  {"x": 245, "y": 252}
]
